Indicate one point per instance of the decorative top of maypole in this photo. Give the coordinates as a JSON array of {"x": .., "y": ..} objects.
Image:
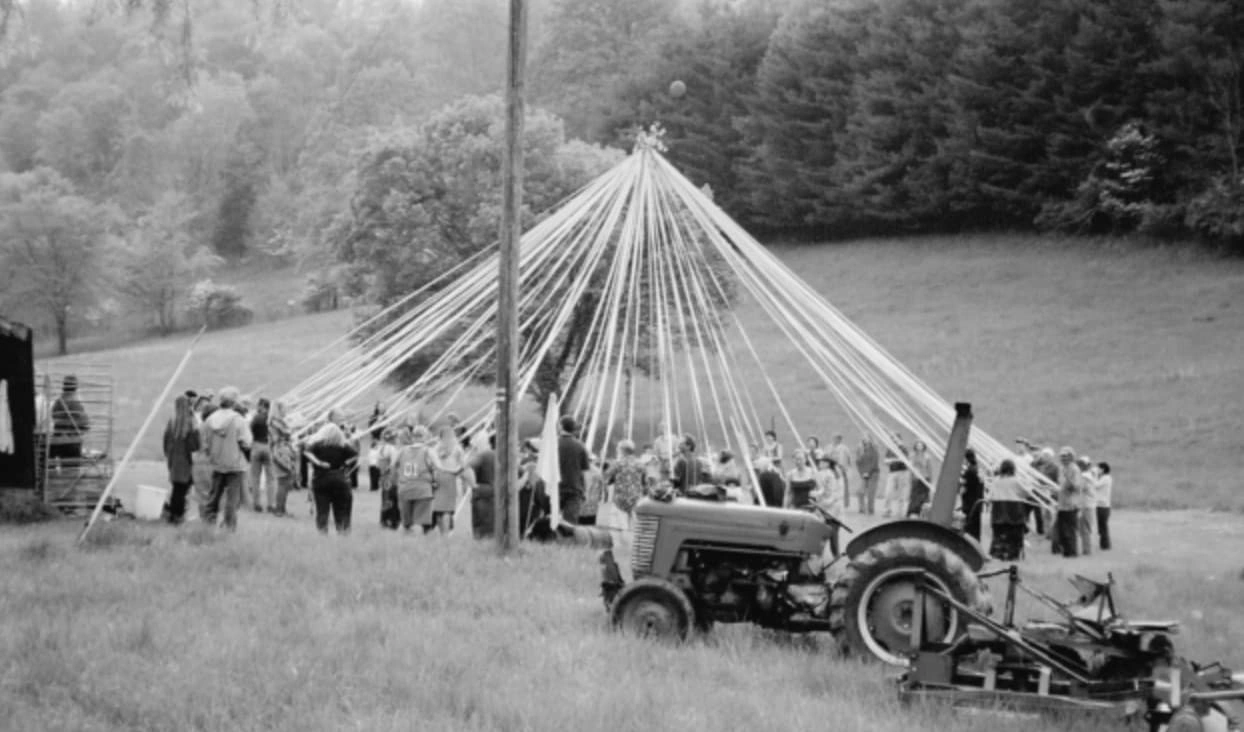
[{"x": 652, "y": 138}]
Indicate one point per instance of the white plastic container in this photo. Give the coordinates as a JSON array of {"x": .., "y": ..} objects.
[{"x": 149, "y": 502}]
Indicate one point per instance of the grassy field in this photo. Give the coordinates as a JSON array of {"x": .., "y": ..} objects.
[
  {"x": 1130, "y": 354},
  {"x": 277, "y": 628}
]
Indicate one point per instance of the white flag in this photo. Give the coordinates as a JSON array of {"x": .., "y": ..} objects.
[{"x": 547, "y": 464}]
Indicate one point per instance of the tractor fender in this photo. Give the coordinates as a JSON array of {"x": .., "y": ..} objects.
[{"x": 963, "y": 545}]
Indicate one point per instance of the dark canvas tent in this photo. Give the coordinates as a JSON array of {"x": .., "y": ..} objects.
[{"x": 17, "y": 465}]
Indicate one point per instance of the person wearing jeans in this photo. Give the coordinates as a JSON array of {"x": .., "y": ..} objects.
[
  {"x": 332, "y": 457},
  {"x": 262, "y": 467},
  {"x": 226, "y": 437},
  {"x": 181, "y": 441}
]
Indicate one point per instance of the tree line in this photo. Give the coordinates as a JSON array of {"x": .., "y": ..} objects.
[{"x": 153, "y": 143}]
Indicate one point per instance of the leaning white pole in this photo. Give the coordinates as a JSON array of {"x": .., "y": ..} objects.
[{"x": 129, "y": 451}]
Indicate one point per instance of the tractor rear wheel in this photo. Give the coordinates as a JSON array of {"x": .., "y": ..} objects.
[
  {"x": 653, "y": 608},
  {"x": 872, "y": 602}
]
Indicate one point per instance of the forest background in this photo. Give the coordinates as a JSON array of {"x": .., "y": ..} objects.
[{"x": 153, "y": 155}]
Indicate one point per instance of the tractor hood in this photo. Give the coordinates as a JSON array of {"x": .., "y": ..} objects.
[{"x": 781, "y": 530}]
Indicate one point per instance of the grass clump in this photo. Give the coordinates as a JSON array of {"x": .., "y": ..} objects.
[{"x": 22, "y": 509}]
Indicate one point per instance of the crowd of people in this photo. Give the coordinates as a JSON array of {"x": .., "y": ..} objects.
[{"x": 235, "y": 453}]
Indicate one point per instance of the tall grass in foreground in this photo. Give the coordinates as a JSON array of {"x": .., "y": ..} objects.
[{"x": 151, "y": 628}]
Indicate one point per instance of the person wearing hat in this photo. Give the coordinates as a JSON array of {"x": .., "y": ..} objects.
[
  {"x": 1070, "y": 485},
  {"x": 572, "y": 463}
]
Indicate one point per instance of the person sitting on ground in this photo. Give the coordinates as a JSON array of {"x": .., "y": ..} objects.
[
  {"x": 800, "y": 481},
  {"x": 332, "y": 456},
  {"x": 1105, "y": 491},
  {"x": 1008, "y": 514}
]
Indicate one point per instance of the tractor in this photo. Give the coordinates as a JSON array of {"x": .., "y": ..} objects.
[{"x": 698, "y": 562}]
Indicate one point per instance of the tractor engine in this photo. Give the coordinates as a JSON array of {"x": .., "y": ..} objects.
[{"x": 773, "y": 592}]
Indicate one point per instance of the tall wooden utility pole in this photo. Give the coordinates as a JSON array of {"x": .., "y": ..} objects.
[{"x": 506, "y": 501}]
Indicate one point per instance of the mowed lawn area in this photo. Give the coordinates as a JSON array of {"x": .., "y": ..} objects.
[
  {"x": 277, "y": 628},
  {"x": 1130, "y": 354}
]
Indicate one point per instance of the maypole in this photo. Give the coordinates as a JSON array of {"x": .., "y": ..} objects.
[{"x": 505, "y": 492}]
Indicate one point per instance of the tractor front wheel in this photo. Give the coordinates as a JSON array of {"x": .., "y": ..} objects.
[
  {"x": 872, "y": 605},
  {"x": 653, "y": 608}
]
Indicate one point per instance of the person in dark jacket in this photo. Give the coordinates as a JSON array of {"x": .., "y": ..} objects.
[
  {"x": 332, "y": 456},
  {"x": 572, "y": 462},
  {"x": 973, "y": 495},
  {"x": 483, "y": 461},
  {"x": 769, "y": 480},
  {"x": 181, "y": 441}
]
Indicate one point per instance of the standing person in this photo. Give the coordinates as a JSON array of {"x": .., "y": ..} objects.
[
  {"x": 386, "y": 460},
  {"x": 973, "y": 495},
  {"x": 181, "y": 441},
  {"x": 772, "y": 449},
  {"x": 627, "y": 479},
  {"x": 1105, "y": 489},
  {"x": 898, "y": 479},
  {"x": 414, "y": 476},
  {"x": 663, "y": 450},
  {"x": 226, "y": 438},
  {"x": 451, "y": 475},
  {"x": 813, "y": 445},
  {"x": 70, "y": 422},
  {"x": 828, "y": 477},
  {"x": 262, "y": 470},
  {"x": 868, "y": 463},
  {"x": 483, "y": 463},
  {"x": 1007, "y": 514},
  {"x": 845, "y": 461},
  {"x": 572, "y": 462},
  {"x": 688, "y": 470},
  {"x": 1045, "y": 463},
  {"x": 1087, "y": 505},
  {"x": 769, "y": 482},
  {"x": 373, "y": 462},
  {"x": 332, "y": 456},
  {"x": 284, "y": 457},
  {"x": 204, "y": 405},
  {"x": 593, "y": 491},
  {"x": 800, "y": 481},
  {"x": 726, "y": 471},
  {"x": 921, "y": 477},
  {"x": 1070, "y": 484}
]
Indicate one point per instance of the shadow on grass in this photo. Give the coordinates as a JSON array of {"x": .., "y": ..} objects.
[{"x": 116, "y": 534}]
